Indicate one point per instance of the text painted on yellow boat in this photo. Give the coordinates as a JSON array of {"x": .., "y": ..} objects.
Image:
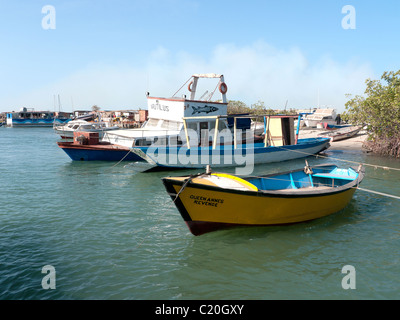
[{"x": 206, "y": 201}]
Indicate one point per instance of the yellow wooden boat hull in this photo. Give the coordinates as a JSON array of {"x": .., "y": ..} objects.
[{"x": 205, "y": 207}]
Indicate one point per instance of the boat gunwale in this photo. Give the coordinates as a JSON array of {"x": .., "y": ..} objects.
[
  {"x": 342, "y": 132},
  {"x": 273, "y": 193},
  {"x": 258, "y": 147},
  {"x": 100, "y": 146}
]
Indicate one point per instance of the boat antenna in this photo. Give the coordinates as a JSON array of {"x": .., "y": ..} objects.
[
  {"x": 204, "y": 94},
  {"x": 59, "y": 104}
]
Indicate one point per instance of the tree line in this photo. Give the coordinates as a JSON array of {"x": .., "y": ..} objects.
[
  {"x": 379, "y": 112},
  {"x": 258, "y": 108}
]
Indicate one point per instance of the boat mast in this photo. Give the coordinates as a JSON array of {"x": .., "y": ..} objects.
[{"x": 206, "y": 75}]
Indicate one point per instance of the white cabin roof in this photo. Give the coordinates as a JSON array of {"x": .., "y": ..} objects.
[{"x": 207, "y": 75}]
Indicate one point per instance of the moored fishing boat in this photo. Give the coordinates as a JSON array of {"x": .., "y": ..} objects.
[
  {"x": 243, "y": 157},
  {"x": 66, "y": 131},
  {"x": 166, "y": 115},
  {"x": 321, "y": 116},
  {"x": 213, "y": 201},
  {"x": 86, "y": 146},
  {"x": 165, "y": 124},
  {"x": 206, "y": 137},
  {"x": 342, "y": 133},
  {"x": 328, "y": 126},
  {"x": 101, "y": 151}
]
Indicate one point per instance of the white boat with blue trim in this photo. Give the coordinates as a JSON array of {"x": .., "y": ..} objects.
[
  {"x": 206, "y": 140},
  {"x": 66, "y": 131}
]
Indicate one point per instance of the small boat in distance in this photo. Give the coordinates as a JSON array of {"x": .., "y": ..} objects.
[
  {"x": 341, "y": 134},
  {"x": 86, "y": 146},
  {"x": 320, "y": 116},
  {"x": 328, "y": 126},
  {"x": 66, "y": 131},
  {"x": 213, "y": 201},
  {"x": 29, "y": 117}
]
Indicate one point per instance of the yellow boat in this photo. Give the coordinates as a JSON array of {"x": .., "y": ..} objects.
[{"x": 213, "y": 201}]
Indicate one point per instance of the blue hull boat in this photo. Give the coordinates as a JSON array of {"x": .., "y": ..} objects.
[
  {"x": 247, "y": 155},
  {"x": 99, "y": 152}
]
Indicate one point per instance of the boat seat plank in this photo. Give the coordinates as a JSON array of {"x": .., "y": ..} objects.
[
  {"x": 292, "y": 182},
  {"x": 307, "y": 189},
  {"x": 332, "y": 176}
]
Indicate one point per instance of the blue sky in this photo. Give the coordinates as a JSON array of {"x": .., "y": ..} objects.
[{"x": 109, "y": 53}]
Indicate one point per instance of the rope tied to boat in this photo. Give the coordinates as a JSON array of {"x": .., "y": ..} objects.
[
  {"x": 121, "y": 159},
  {"x": 343, "y": 160},
  {"x": 191, "y": 177},
  {"x": 379, "y": 193},
  {"x": 358, "y": 170}
]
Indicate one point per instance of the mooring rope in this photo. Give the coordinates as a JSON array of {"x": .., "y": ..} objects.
[
  {"x": 343, "y": 160},
  {"x": 310, "y": 154},
  {"x": 182, "y": 86},
  {"x": 380, "y": 193},
  {"x": 355, "y": 162},
  {"x": 121, "y": 159}
]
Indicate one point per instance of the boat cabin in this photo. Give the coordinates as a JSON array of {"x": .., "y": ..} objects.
[
  {"x": 197, "y": 118},
  {"x": 279, "y": 130},
  {"x": 166, "y": 115}
]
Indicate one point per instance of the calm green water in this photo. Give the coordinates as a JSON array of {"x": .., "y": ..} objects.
[{"x": 111, "y": 234}]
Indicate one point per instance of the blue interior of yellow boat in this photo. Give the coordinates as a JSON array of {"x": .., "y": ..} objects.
[{"x": 326, "y": 176}]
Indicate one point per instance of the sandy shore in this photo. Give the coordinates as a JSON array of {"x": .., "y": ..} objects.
[{"x": 354, "y": 143}]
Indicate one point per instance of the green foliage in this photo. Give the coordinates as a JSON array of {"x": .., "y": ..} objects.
[
  {"x": 95, "y": 108},
  {"x": 258, "y": 108},
  {"x": 236, "y": 106},
  {"x": 379, "y": 111}
]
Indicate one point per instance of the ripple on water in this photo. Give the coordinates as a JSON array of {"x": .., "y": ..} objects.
[{"x": 114, "y": 235}]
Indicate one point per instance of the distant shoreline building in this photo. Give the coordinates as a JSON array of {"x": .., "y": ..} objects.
[
  {"x": 29, "y": 117},
  {"x": 125, "y": 118}
]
